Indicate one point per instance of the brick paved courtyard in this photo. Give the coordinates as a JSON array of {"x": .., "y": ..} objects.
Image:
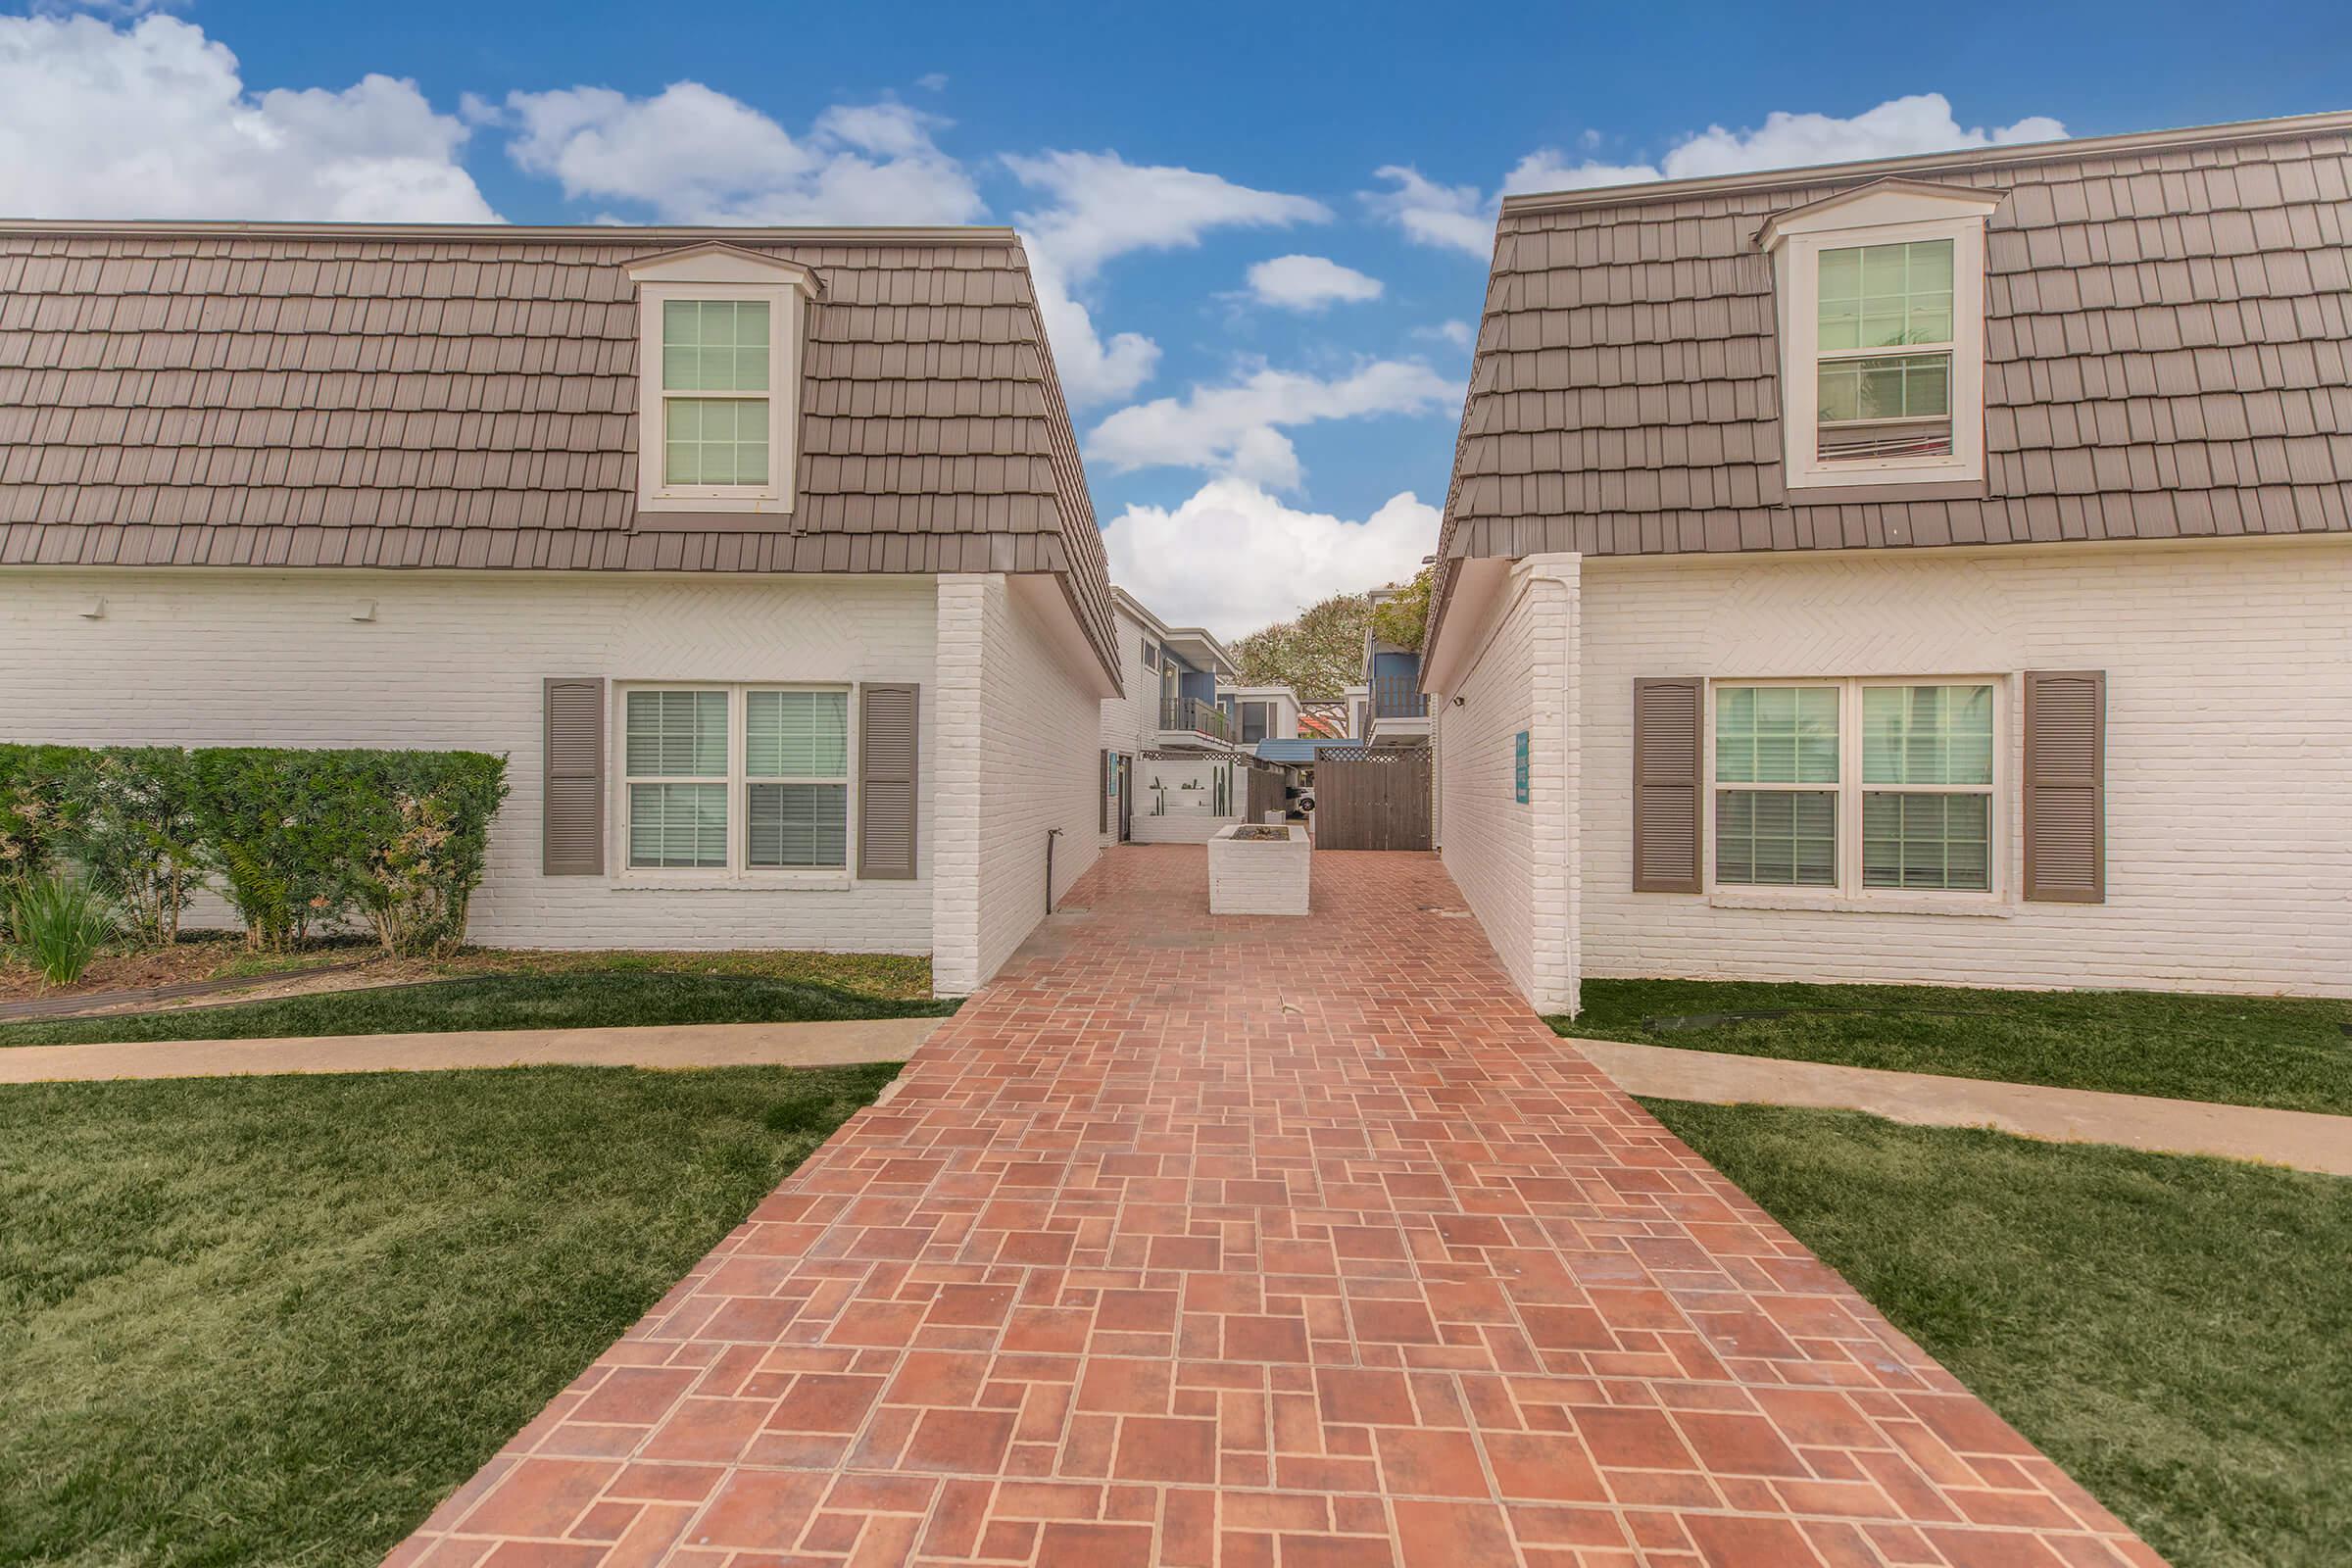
[{"x": 1264, "y": 1241}]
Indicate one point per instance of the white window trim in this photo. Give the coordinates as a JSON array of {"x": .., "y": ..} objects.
[
  {"x": 1878, "y": 217},
  {"x": 722, "y": 272},
  {"x": 1849, "y": 893},
  {"x": 738, "y": 873}
]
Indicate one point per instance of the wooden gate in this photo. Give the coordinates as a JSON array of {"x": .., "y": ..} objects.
[
  {"x": 1372, "y": 798},
  {"x": 1267, "y": 793}
]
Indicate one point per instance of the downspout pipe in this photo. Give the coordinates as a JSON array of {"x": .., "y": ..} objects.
[{"x": 1051, "y": 834}]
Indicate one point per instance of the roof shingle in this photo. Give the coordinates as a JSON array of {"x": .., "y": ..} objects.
[
  {"x": 2168, "y": 323},
  {"x": 288, "y": 394}
]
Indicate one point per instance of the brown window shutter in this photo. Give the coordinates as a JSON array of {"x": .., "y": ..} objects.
[
  {"x": 1102, "y": 796},
  {"x": 572, "y": 782},
  {"x": 2066, "y": 786},
  {"x": 888, "y": 718},
  {"x": 1667, "y": 790}
]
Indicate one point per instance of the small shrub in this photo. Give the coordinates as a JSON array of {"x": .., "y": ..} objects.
[
  {"x": 32, "y": 810},
  {"x": 279, "y": 826},
  {"x": 135, "y": 833},
  {"x": 62, "y": 921},
  {"x": 426, "y": 845},
  {"x": 298, "y": 839}
]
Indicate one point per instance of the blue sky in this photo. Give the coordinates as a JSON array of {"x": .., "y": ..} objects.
[{"x": 1299, "y": 417}]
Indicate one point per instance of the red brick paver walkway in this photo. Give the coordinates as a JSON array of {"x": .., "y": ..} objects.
[{"x": 1293, "y": 1243}]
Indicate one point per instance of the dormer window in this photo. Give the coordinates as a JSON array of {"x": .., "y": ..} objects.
[
  {"x": 718, "y": 379},
  {"x": 1881, "y": 314},
  {"x": 1884, "y": 351},
  {"x": 717, "y": 368}
]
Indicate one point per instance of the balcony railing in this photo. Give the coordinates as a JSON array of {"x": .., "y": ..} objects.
[
  {"x": 1189, "y": 713},
  {"x": 1399, "y": 697}
]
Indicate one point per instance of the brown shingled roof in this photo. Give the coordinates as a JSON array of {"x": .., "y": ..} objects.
[
  {"x": 2168, "y": 327},
  {"x": 277, "y": 394}
]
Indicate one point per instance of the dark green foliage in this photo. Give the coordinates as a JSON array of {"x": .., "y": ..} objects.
[
  {"x": 279, "y": 828},
  {"x": 133, "y": 830},
  {"x": 275, "y": 1320},
  {"x": 2284, "y": 1051},
  {"x": 571, "y": 999},
  {"x": 2176, "y": 1332},
  {"x": 1404, "y": 619},
  {"x": 299, "y": 839},
  {"x": 423, "y": 828},
  {"x": 32, "y": 794}
]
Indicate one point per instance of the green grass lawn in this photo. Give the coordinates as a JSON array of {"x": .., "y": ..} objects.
[
  {"x": 278, "y": 1319},
  {"x": 2244, "y": 1051},
  {"x": 2177, "y": 1332},
  {"x": 555, "y": 998}
]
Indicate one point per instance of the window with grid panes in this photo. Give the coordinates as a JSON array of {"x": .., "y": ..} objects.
[
  {"x": 796, "y": 773},
  {"x": 674, "y": 755},
  {"x": 1776, "y": 783},
  {"x": 1927, "y": 787},
  {"x": 715, "y": 371},
  {"x": 1883, "y": 350}
]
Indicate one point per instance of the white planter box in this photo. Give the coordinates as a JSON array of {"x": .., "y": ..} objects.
[{"x": 1258, "y": 876}]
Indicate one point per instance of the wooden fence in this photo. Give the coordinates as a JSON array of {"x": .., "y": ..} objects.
[{"x": 1372, "y": 798}]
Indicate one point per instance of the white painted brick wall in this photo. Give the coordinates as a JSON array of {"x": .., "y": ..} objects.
[
  {"x": 1247, "y": 877},
  {"x": 1179, "y": 827},
  {"x": 1019, "y": 743},
  {"x": 452, "y": 660},
  {"x": 1515, "y": 864},
  {"x": 2229, "y": 766}
]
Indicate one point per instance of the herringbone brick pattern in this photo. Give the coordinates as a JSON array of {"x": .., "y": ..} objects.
[{"x": 1264, "y": 1241}]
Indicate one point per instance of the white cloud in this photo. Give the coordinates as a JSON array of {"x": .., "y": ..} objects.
[
  {"x": 1920, "y": 123},
  {"x": 1459, "y": 217},
  {"x": 691, "y": 154},
  {"x": 1454, "y": 217},
  {"x": 932, "y": 80},
  {"x": 1546, "y": 169},
  {"x": 1181, "y": 560},
  {"x": 1459, "y": 333},
  {"x": 154, "y": 120},
  {"x": 1309, "y": 283},
  {"x": 1092, "y": 370},
  {"x": 1236, "y": 429},
  {"x": 1104, "y": 207}
]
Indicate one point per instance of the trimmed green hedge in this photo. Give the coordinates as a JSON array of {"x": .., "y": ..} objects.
[{"x": 295, "y": 840}]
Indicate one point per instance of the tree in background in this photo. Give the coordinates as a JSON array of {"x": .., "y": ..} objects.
[
  {"x": 1319, "y": 654},
  {"x": 1402, "y": 621}
]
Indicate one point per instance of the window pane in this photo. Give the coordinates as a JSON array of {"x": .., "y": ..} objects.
[
  {"x": 677, "y": 734},
  {"x": 1776, "y": 735},
  {"x": 1910, "y": 386},
  {"x": 1927, "y": 734},
  {"x": 798, "y": 824},
  {"x": 715, "y": 345},
  {"x": 1776, "y": 838},
  {"x": 796, "y": 734},
  {"x": 1926, "y": 841},
  {"x": 678, "y": 825},
  {"x": 717, "y": 441},
  {"x": 1883, "y": 296}
]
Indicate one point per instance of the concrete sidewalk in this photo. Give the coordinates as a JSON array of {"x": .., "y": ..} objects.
[
  {"x": 2303, "y": 1140},
  {"x": 710, "y": 1045}
]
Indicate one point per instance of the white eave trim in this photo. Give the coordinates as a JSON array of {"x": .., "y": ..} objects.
[
  {"x": 1881, "y": 203},
  {"x": 717, "y": 262}
]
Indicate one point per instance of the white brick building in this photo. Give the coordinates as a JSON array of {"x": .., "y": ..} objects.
[
  {"x": 1926, "y": 571},
  {"x": 822, "y": 671}
]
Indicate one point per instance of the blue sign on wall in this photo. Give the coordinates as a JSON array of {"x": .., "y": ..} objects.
[{"x": 1519, "y": 767}]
